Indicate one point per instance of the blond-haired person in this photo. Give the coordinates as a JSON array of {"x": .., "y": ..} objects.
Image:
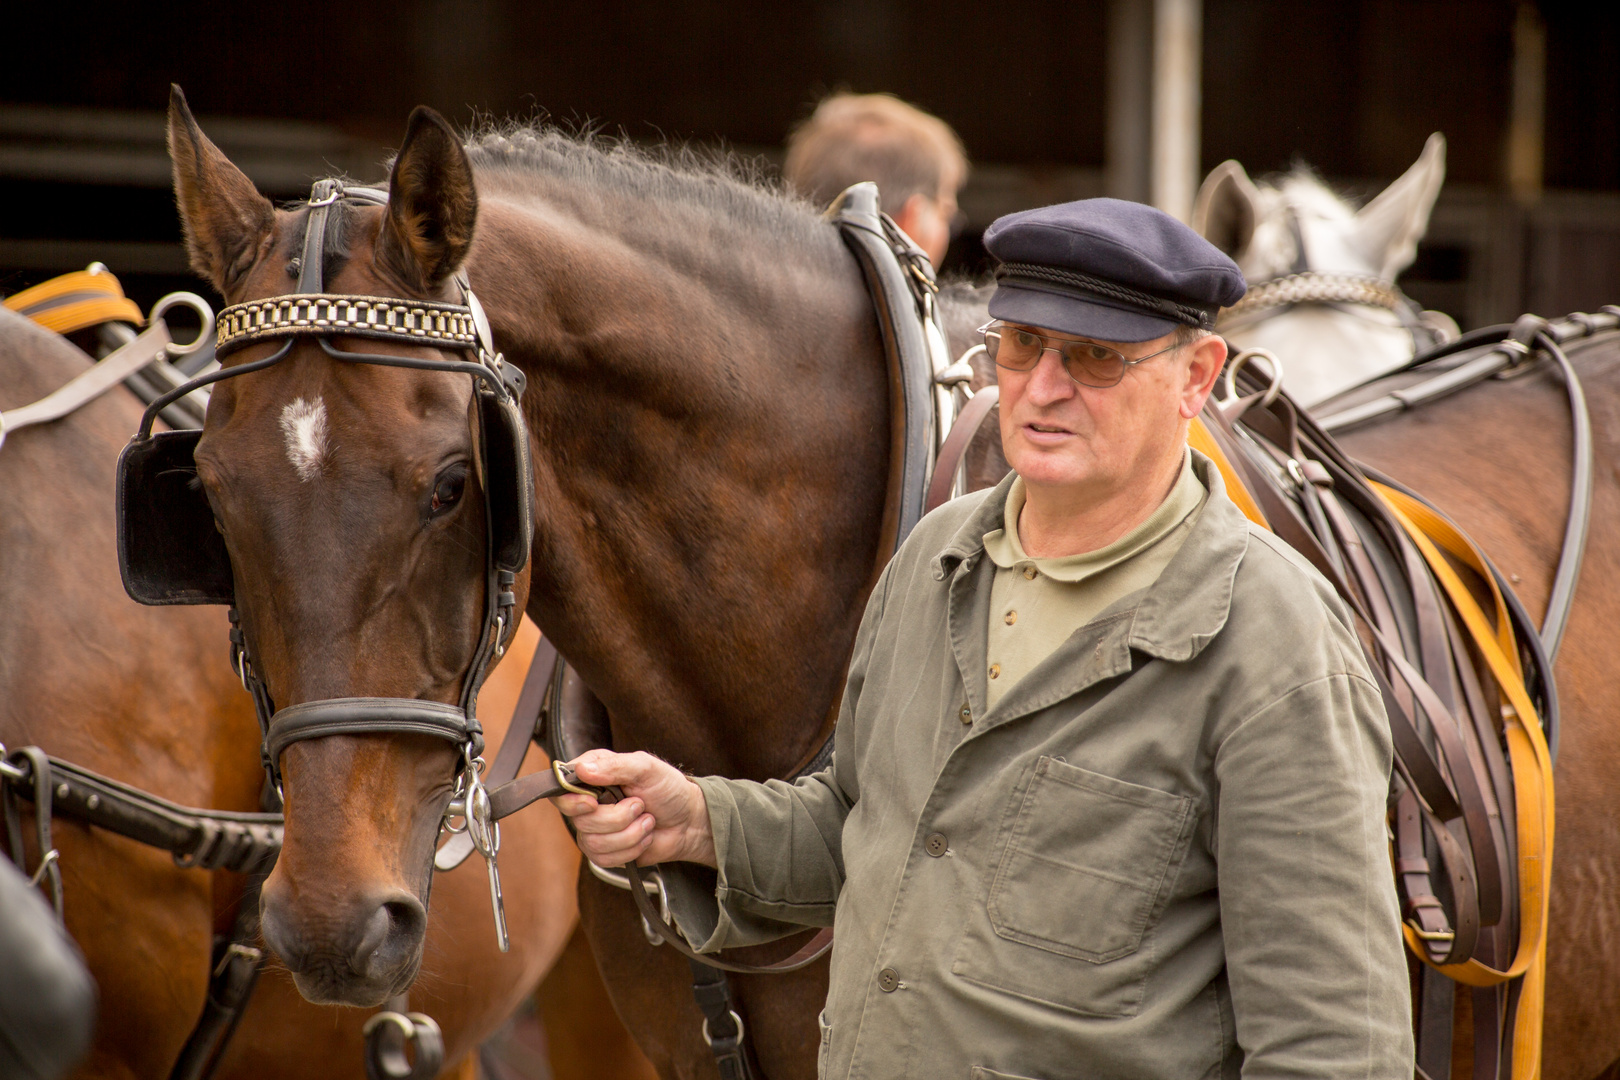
[{"x": 915, "y": 159}]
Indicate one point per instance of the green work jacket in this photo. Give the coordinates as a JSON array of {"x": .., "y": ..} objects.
[{"x": 1162, "y": 854}]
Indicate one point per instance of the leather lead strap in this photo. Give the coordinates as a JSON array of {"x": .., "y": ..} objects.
[
  {"x": 524, "y": 730},
  {"x": 722, "y": 1026},
  {"x": 956, "y": 443},
  {"x": 237, "y": 964}
]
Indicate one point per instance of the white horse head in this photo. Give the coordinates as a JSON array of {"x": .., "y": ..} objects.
[{"x": 1322, "y": 274}]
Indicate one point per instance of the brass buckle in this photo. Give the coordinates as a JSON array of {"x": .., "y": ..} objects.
[
  {"x": 566, "y": 780},
  {"x": 1431, "y": 935}
]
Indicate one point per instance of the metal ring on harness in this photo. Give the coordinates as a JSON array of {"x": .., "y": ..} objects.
[
  {"x": 730, "y": 1042},
  {"x": 386, "y": 1059},
  {"x": 1230, "y": 400},
  {"x": 205, "y": 313}
]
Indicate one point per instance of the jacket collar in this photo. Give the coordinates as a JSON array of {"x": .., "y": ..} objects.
[{"x": 1177, "y": 616}]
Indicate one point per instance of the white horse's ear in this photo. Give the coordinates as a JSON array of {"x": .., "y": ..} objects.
[
  {"x": 1227, "y": 207},
  {"x": 1389, "y": 227}
]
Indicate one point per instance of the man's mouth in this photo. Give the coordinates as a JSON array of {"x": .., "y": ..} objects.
[{"x": 1048, "y": 429}]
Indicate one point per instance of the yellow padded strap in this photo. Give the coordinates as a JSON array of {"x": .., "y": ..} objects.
[
  {"x": 1532, "y": 777},
  {"x": 74, "y": 301}
]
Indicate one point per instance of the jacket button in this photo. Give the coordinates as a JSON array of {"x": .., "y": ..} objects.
[
  {"x": 888, "y": 979},
  {"x": 966, "y": 714},
  {"x": 1010, "y": 618},
  {"x": 936, "y": 844},
  {"x": 995, "y": 671}
]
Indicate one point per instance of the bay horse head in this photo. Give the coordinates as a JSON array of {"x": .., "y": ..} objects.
[
  {"x": 1322, "y": 273},
  {"x": 350, "y": 480}
]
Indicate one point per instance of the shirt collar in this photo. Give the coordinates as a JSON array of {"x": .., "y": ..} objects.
[
  {"x": 1005, "y": 548},
  {"x": 1181, "y": 612}
]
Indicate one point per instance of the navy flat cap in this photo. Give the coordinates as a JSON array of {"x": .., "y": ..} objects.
[{"x": 1107, "y": 269}]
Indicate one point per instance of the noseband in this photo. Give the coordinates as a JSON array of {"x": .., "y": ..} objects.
[{"x": 508, "y": 501}]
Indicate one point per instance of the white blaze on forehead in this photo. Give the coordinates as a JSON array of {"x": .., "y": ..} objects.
[{"x": 304, "y": 425}]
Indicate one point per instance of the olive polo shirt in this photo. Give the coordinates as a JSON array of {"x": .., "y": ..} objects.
[{"x": 1035, "y": 604}]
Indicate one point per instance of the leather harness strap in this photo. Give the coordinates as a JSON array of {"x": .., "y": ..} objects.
[
  {"x": 151, "y": 344},
  {"x": 956, "y": 443}
]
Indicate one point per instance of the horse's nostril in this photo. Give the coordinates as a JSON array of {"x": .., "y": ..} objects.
[
  {"x": 282, "y": 941},
  {"x": 391, "y": 937}
]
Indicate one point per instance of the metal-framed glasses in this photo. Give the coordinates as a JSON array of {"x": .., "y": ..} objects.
[{"x": 1087, "y": 362}]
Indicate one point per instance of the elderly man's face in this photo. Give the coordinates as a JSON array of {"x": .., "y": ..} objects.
[{"x": 1059, "y": 434}]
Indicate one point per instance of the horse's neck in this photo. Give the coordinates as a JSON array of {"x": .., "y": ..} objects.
[{"x": 711, "y": 456}]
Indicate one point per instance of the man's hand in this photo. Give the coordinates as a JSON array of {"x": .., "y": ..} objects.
[{"x": 662, "y": 818}]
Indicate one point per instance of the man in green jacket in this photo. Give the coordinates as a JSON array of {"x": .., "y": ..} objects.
[{"x": 1108, "y": 788}]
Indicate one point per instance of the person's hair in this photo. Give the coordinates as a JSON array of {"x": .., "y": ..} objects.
[{"x": 878, "y": 137}]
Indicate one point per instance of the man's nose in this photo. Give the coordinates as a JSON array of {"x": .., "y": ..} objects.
[{"x": 1049, "y": 382}]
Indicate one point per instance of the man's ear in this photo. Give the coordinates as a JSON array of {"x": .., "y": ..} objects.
[
  {"x": 432, "y": 205},
  {"x": 224, "y": 217},
  {"x": 1207, "y": 358}
]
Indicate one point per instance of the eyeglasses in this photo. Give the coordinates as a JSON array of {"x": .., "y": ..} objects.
[{"x": 1087, "y": 362}]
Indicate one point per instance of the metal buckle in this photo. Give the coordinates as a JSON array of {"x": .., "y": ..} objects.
[
  {"x": 568, "y": 782},
  {"x": 1431, "y": 935},
  {"x": 388, "y": 1062},
  {"x": 729, "y": 1043}
]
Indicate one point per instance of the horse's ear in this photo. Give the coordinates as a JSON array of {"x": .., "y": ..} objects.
[
  {"x": 1227, "y": 208},
  {"x": 224, "y": 217},
  {"x": 432, "y": 205},
  {"x": 1389, "y": 227}
]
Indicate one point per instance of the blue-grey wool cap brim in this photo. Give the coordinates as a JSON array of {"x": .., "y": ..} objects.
[{"x": 1069, "y": 313}]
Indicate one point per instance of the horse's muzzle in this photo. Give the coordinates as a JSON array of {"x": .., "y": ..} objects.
[{"x": 359, "y": 957}]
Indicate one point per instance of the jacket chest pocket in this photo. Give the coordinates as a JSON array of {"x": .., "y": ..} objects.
[{"x": 1088, "y": 862}]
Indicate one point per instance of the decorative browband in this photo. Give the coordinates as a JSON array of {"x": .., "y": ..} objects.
[
  {"x": 319, "y": 314},
  {"x": 1318, "y": 286}
]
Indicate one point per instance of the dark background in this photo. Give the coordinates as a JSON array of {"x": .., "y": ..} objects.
[{"x": 296, "y": 90}]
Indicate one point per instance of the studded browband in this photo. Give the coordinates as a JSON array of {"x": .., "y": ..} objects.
[{"x": 323, "y": 314}]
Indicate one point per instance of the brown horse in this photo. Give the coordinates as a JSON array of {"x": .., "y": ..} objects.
[
  {"x": 145, "y": 695},
  {"x": 707, "y": 397}
]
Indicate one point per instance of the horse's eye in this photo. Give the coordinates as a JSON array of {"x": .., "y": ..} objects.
[{"x": 447, "y": 488}]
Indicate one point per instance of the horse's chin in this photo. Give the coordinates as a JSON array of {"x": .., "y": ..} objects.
[{"x": 324, "y": 986}]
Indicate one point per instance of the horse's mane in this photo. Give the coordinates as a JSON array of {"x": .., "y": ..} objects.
[{"x": 595, "y": 174}]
